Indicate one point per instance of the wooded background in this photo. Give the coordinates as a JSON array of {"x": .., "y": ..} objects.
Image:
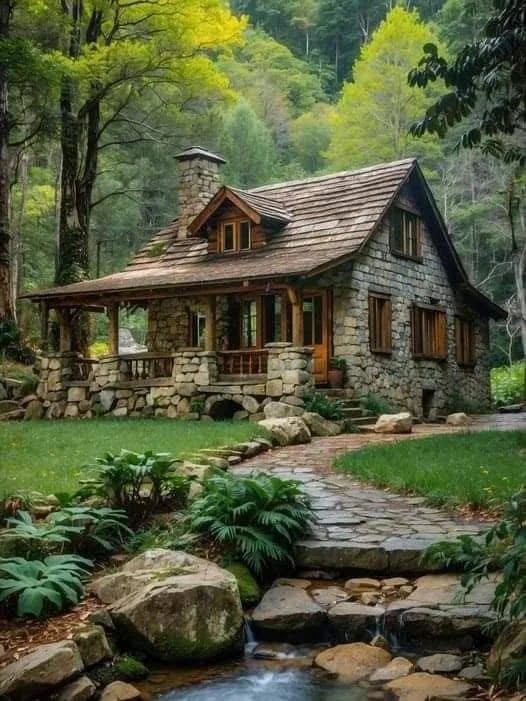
[{"x": 102, "y": 93}]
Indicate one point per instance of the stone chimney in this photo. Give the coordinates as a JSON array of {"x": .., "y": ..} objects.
[{"x": 198, "y": 183}]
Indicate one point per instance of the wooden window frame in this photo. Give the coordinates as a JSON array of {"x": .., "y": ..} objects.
[
  {"x": 401, "y": 212},
  {"x": 236, "y": 224},
  {"x": 465, "y": 341},
  {"x": 380, "y": 323},
  {"x": 429, "y": 336}
]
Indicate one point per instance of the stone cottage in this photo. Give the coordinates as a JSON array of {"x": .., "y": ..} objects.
[{"x": 249, "y": 295}]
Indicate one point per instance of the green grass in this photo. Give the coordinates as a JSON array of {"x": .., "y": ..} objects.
[
  {"x": 477, "y": 469},
  {"x": 49, "y": 456}
]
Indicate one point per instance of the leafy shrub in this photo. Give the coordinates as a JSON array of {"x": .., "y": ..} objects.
[
  {"x": 504, "y": 549},
  {"x": 326, "y": 407},
  {"x": 507, "y": 384},
  {"x": 338, "y": 363},
  {"x": 98, "y": 349},
  {"x": 140, "y": 483},
  {"x": 256, "y": 519},
  {"x": 39, "y": 587},
  {"x": 101, "y": 529},
  {"x": 376, "y": 405},
  {"x": 36, "y": 539}
]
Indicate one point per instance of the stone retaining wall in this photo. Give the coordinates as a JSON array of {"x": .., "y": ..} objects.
[{"x": 194, "y": 391}]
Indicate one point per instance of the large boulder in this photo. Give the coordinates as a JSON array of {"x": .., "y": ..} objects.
[
  {"x": 81, "y": 689},
  {"x": 423, "y": 687},
  {"x": 291, "y": 431},
  {"x": 507, "y": 649},
  {"x": 443, "y": 663},
  {"x": 353, "y": 661},
  {"x": 280, "y": 410},
  {"x": 398, "y": 667},
  {"x": 459, "y": 418},
  {"x": 288, "y": 612},
  {"x": 120, "y": 691},
  {"x": 394, "y": 423},
  {"x": 319, "y": 426},
  {"x": 177, "y": 607},
  {"x": 38, "y": 674}
]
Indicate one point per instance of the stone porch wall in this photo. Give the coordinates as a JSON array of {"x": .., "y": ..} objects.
[
  {"x": 398, "y": 377},
  {"x": 193, "y": 391}
]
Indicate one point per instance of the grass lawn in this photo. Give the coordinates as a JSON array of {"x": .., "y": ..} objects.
[
  {"x": 477, "y": 469},
  {"x": 49, "y": 456}
]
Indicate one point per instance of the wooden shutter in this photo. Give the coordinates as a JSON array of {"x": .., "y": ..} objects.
[
  {"x": 380, "y": 323},
  {"x": 465, "y": 341}
]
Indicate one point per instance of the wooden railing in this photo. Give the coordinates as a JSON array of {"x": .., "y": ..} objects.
[
  {"x": 82, "y": 369},
  {"x": 147, "y": 366},
  {"x": 243, "y": 362}
]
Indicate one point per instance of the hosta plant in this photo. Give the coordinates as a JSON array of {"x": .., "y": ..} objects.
[
  {"x": 255, "y": 519},
  {"x": 34, "y": 539},
  {"x": 101, "y": 529},
  {"x": 40, "y": 587}
]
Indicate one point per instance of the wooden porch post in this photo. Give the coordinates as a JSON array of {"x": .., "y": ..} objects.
[
  {"x": 113, "y": 328},
  {"x": 64, "y": 316},
  {"x": 210, "y": 328},
  {"x": 44, "y": 324},
  {"x": 296, "y": 299}
]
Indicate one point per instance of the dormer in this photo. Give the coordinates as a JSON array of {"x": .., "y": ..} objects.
[{"x": 235, "y": 221}]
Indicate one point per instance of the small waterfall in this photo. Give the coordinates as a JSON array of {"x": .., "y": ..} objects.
[{"x": 250, "y": 638}]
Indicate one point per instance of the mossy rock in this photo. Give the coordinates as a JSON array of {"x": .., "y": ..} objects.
[
  {"x": 249, "y": 589},
  {"x": 129, "y": 669}
]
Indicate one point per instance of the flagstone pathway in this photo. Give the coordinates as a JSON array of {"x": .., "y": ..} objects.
[{"x": 361, "y": 527}]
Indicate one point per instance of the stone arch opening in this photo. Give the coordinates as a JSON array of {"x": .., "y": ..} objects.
[{"x": 224, "y": 409}]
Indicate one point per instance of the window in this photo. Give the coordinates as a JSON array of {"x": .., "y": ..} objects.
[
  {"x": 236, "y": 236},
  {"x": 313, "y": 320},
  {"x": 465, "y": 341},
  {"x": 197, "y": 329},
  {"x": 380, "y": 315},
  {"x": 244, "y": 235},
  {"x": 406, "y": 234},
  {"x": 249, "y": 323},
  {"x": 228, "y": 237},
  {"x": 429, "y": 332}
]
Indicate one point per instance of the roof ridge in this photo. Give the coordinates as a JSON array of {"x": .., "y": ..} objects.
[{"x": 329, "y": 176}]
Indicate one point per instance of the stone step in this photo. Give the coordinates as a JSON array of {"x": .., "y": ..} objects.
[
  {"x": 353, "y": 411},
  {"x": 394, "y": 555},
  {"x": 364, "y": 421}
]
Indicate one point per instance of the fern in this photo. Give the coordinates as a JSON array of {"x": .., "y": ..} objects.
[{"x": 258, "y": 518}]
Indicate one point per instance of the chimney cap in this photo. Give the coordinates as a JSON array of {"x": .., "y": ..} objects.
[{"x": 198, "y": 152}]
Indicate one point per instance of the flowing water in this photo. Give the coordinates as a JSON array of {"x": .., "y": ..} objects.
[{"x": 280, "y": 685}]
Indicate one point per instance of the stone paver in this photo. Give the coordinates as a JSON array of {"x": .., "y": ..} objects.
[{"x": 361, "y": 527}]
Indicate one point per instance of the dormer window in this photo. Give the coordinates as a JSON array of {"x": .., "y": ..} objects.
[{"x": 236, "y": 235}]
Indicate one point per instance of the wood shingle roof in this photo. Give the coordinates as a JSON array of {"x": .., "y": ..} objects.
[{"x": 331, "y": 216}]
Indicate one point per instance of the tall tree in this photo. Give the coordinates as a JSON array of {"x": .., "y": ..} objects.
[
  {"x": 7, "y": 304},
  {"x": 487, "y": 94},
  {"x": 115, "y": 51},
  {"x": 376, "y": 109}
]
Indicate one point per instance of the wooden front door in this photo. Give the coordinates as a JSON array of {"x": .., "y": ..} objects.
[{"x": 316, "y": 331}]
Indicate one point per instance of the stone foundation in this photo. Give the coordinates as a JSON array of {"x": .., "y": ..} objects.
[{"x": 193, "y": 391}]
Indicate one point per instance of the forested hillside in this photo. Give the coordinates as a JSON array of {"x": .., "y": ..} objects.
[{"x": 282, "y": 89}]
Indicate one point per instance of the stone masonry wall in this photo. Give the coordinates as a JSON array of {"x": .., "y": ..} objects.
[
  {"x": 168, "y": 321},
  {"x": 198, "y": 183},
  {"x": 398, "y": 377}
]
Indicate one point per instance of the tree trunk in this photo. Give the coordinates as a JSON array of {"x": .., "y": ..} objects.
[
  {"x": 6, "y": 297},
  {"x": 79, "y": 145}
]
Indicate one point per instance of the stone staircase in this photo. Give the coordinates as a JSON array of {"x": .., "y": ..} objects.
[{"x": 356, "y": 414}]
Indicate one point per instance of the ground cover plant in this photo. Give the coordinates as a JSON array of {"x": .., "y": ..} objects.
[
  {"x": 326, "y": 407},
  {"x": 507, "y": 384},
  {"x": 48, "y": 456},
  {"x": 476, "y": 469}
]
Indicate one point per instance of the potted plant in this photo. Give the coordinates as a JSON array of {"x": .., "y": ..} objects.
[{"x": 336, "y": 373}]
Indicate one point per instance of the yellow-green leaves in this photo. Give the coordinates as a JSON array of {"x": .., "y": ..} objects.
[{"x": 376, "y": 109}]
